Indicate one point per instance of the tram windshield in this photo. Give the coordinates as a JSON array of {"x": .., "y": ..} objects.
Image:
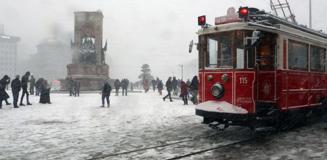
[
  {"x": 226, "y": 50},
  {"x": 222, "y": 50},
  {"x": 219, "y": 50}
]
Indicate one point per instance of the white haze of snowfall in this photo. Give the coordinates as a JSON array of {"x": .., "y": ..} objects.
[
  {"x": 155, "y": 32},
  {"x": 78, "y": 128}
]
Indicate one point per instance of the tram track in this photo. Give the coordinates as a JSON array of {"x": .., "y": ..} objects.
[
  {"x": 220, "y": 146},
  {"x": 148, "y": 148},
  {"x": 169, "y": 147}
]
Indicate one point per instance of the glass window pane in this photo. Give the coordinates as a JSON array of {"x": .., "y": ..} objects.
[
  {"x": 297, "y": 55},
  {"x": 318, "y": 57},
  {"x": 225, "y": 59},
  {"x": 213, "y": 50},
  {"x": 240, "y": 58}
]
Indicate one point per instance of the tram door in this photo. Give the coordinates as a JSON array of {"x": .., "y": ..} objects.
[{"x": 266, "y": 57}]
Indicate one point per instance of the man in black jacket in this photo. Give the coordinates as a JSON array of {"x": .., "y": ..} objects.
[
  {"x": 24, "y": 87},
  {"x": 169, "y": 88},
  {"x": 15, "y": 87},
  {"x": 106, "y": 93}
]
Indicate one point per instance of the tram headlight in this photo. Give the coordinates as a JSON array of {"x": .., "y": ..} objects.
[{"x": 217, "y": 90}]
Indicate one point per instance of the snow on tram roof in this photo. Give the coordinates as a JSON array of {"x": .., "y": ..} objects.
[{"x": 265, "y": 21}]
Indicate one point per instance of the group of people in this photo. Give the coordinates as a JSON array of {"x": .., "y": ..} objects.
[
  {"x": 74, "y": 87},
  {"x": 121, "y": 84},
  {"x": 186, "y": 89},
  {"x": 41, "y": 85}
]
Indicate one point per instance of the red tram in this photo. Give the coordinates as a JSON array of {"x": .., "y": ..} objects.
[{"x": 256, "y": 69}]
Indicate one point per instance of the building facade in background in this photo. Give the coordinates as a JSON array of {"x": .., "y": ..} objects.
[
  {"x": 8, "y": 54},
  {"x": 50, "y": 61}
]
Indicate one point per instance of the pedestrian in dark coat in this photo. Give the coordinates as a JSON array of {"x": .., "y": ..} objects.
[
  {"x": 146, "y": 85},
  {"x": 32, "y": 85},
  {"x": 16, "y": 86},
  {"x": 169, "y": 89},
  {"x": 174, "y": 84},
  {"x": 106, "y": 90},
  {"x": 154, "y": 84},
  {"x": 24, "y": 87},
  {"x": 124, "y": 84},
  {"x": 160, "y": 87},
  {"x": 184, "y": 92},
  {"x": 77, "y": 88},
  {"x": 3, "y": 94},
  {"x": 71, "y": 87},
  {"x": 38, "y": 84},
  {"x": 45, "y": 92},
  {"x": 194, "y": 88},
  {"x": 117, "y": 86}
]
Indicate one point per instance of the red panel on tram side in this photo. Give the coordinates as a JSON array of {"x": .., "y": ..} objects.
[
  {"x": 317, "y": 87},
  {"x": 297, "y": 99},
  {"x": 245, "y": 91},
  {"x": 266, "y": 86},
  {"x": 318, "y": 81},
  {"x": 314, "y": 97},
  {"x": 298, "y": 89},
  {"x": 217, "y": 78},
  {"x": 280, "y": 95},
  {"x": 298, "y": 80}
]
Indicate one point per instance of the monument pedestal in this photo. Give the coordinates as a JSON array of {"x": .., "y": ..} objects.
[{"x": 91, "y": 77}]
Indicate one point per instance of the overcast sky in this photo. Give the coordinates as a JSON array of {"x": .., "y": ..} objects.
[{"x": 156, "y": 32}]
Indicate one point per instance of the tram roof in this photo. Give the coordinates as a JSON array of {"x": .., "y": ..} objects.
[{"x": 270, "y": 23}]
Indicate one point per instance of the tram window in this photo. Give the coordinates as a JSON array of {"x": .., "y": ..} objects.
[
  {"x": 225, "y": 51},
  {"x": 297, "y": 55},
  {"x": 266, "y": 53},
  {"x": 251, "y": 57},
  {"x": 318, "y": 57},
  {"x": 213, "y": 50},
  {"x": 240, "y": 58},
  {"x": 219, "y": 51},
  {"x": 202, "y": 46}
]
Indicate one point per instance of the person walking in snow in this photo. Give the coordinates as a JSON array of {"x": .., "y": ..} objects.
[
  {"x": 169, "y": 89},
  {"x": 194, "y": 89},
  {"x": 154, "y": 84},
  {"x": 16, "y": 86},
  {"x": 77, "y": 88},
  {"x": 184, "y": 92},
  {"x": 160, "y": 87},
  {"x": 174, "y": 84},
  {"x": 24, "y": 87},
  {"x": 32, "y": 85},
  {"x": 45, "y": 92},
  {"x": 3, "y": 94},
  {"x": 38, "y": 86},
  {"x": 124, "y": 84},
  {"x": 117, "y": 86},
  {"x": 106, "y": 90}
]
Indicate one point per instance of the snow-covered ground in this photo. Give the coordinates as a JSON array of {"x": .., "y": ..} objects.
[{"x": 139, "y": 126}]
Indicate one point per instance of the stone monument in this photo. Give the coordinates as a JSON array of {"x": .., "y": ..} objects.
[{"x": 88, "y": 64}]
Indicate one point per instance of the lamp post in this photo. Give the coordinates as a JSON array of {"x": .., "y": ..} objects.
[
  {"x": 182, "y": 69},
  {"x": 310, "y": 13}
]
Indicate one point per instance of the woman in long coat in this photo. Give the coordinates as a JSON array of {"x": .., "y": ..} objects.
[
  {"x": 3, "y": 94},
  {"x": 45, "y": 93}
]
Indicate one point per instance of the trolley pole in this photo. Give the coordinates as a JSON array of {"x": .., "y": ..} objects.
[{"x": 310, "y": 14}]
